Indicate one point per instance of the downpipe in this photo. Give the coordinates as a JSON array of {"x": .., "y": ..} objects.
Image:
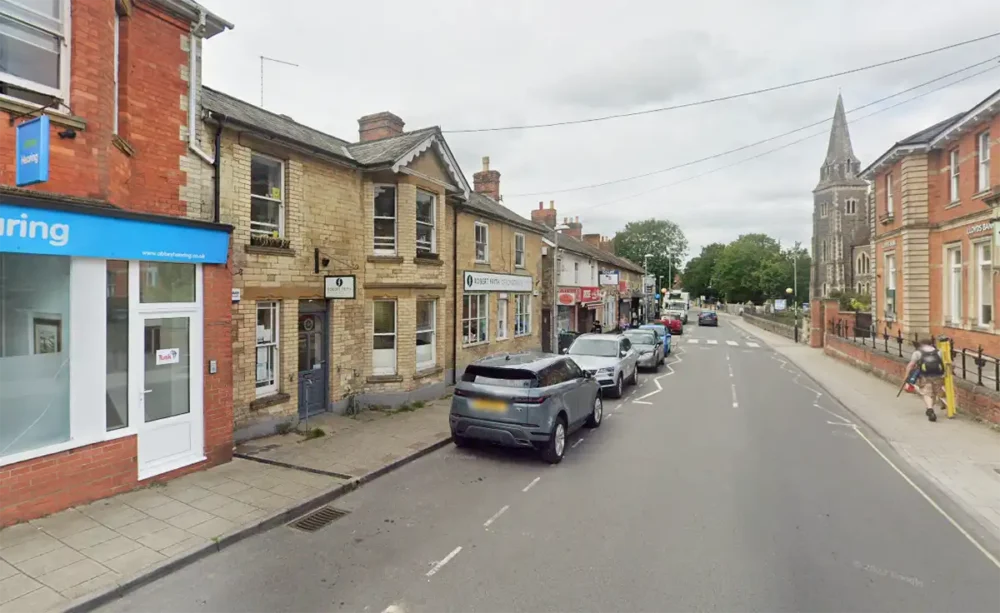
[{"x": 196, "y": 33}]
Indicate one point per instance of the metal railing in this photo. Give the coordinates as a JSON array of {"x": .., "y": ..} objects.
[{"x": 970, "y": 365}]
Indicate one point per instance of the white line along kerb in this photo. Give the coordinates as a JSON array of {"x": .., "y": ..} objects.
[
  {"x": 534, "y": 481},
  {"x": 454, "y": 552}
]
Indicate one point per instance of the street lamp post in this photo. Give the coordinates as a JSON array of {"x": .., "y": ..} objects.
[{"x": 795, "y": 312}]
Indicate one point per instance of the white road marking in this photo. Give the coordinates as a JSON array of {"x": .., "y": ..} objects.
[
  {"x": 433, "y": 571},
  {"x": 989, "y": 556},
  {"x": 837, "y": 423},
  {"x": 732, "y": 343},
  {"x": 606, "y": 418},
  {"x": 659, "y": 388},
  {"x": 394, "y": 608},
  {"x": 573, "y": 446},
  {"x": 692, "y": 341},
  {"x": 837, "y": 415},
  {"x": 712, "y": 341},
  {"x": 640, "y": 402},
  {"x": 881, "y": 572},
  {"x": 732, "y": 386},
  {"x": 754, "y": 345},
  {"x": 537, "y": 479},
  {"x": 505, "y": 507},
  {"x": 795, "y": 380}
]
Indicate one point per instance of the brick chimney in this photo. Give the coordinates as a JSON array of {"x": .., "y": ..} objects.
[
  {"x": 379, "y": 125},
  {"x": 543, "y": 216},
  {"x": 592, "y": 239},
  {"x": 608, "y": 244},
  {"x": 487, "y": 182},
  {"x": 575, "y": 228}
]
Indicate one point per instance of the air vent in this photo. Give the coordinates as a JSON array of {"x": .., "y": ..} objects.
[{"x": 318, "y": 519}]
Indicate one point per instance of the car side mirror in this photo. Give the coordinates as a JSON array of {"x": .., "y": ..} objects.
[
  {"x": 624, "y": 353},
  {"x": 587, "y": 375},
  {"x": 566, "y": 350}
]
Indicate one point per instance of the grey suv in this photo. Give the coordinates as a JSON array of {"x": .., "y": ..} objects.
[{"x": 525, "y": 400}]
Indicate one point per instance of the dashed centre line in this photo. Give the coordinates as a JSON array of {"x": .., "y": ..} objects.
[
  {"x": 712, "y": 341},
  {"x": 537, "y": 479},
  {"x": 496, "y": 516},
  {"x": 448, "y": 558},
  {"x": 732, "y": 343}
]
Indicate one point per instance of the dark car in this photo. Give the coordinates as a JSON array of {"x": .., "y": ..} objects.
[
  {"x": 708, "y": 318},
  {"x": 674, "y": 324},
  {"x": 525, "y": 400}
]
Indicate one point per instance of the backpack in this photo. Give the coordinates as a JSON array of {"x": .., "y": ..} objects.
[{"x": 930, "y": 364}]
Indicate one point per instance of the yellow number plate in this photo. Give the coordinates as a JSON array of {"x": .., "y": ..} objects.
[{"x": 497, "y": 406}]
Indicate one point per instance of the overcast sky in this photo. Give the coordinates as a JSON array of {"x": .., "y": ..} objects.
[{"x": 464, "y": 64}]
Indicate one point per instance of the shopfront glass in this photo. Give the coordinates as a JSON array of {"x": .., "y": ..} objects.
[{"x": 34, "y": 351}]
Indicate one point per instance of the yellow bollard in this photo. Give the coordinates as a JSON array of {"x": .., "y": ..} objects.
[{"x": 944, "y": 346}]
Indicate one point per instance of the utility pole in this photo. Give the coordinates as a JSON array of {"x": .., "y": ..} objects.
[{"x": 269, "y": 59}]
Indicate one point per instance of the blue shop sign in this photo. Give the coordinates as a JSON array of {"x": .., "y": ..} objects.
[
  {"x": 32, "y": 151},
  {"x": 52, "y": 232}
]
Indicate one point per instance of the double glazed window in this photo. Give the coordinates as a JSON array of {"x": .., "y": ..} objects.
[
  {"x": 953, "y": 259},
  {"x": 266, "y": 196},
  {"x": 268, "y": 356},
  {"x": 385, "y": 220},
  {"x": 984, "y": 284},
  {"x": 953, "y": 172},
  {"x": 475, "y": 318},
  {"x": 519, "y": 250},
  {"x": 482, "y": 242},
  {"x": 522, "y": 314},
  {"x": 426, "y": 216},
  {"x": 34, "y": 49},
  {"x": 426, "y": 333},
  {"x": 983, "y": 148},
  {"x": 384, "y": 338},
  {"x": 501, "y": 318},
  {"x": 890, "y": 287}
]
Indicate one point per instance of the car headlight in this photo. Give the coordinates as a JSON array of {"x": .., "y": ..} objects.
[{"x": 608, "y": 370}]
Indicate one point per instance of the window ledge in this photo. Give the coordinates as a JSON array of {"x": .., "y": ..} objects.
[
  {"x": 269, "y": 401},
  {"x": 384, "y": 379},
  {"x": 428, "y": 372},
  {"x": 982, "y": 195},
  {"x": 269, "y": 250},
  {"x": 122, "y": 145},
  {"x": 386, "y": 259},
  {"x": 60, "y": 119},
  {"x": 476, "y": 344},
  {"x": 953, "y": 204},
  {"x": 428, "y": 260}
]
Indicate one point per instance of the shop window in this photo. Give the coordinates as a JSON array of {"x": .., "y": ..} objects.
[
  {"x": 385, "y": 219},
  {"x": 475, "y": 318},
  {"x": 522, "y": 314},
  {"x": 384, "y": 338},
  {"x": 426, "y": 333},
  {"x": 267, "y": 201},
  {"x": 482, "y": 242},
  {"x": 34, "y": 351},
  {"x": 426, "y": 216},
  {"x": 984, "y": 283},
  {"x": 501, "y": 319},
  {"x": 519, "y": 250},
  {"x": 35, "y": 45},
  {"x": 167, "y": 282},
  {"x": 268, "y": 341},
  {"x": 953, "y": 308},
  {"x": 116, "y": 333}
]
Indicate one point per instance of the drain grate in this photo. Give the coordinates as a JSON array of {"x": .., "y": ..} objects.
[{"x": 318, "y": 519}]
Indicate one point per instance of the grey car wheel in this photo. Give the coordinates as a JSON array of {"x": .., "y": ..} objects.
[
  {"x": 596, "y": 413},
  {"x": 556, "y": 447},
  {"x": 619, "y": 387}
]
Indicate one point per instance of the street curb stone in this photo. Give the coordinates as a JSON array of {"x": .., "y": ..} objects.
[{"x": 278, "y": 518}]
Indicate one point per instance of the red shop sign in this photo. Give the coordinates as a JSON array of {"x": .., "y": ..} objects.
[
  {"x": 623, "y": 286},
  {"x": 590, "y": 294},
  {"x": 569, "y": 297}
]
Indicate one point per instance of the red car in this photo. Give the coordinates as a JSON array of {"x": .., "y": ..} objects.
[{"x": 675, "y": 325}]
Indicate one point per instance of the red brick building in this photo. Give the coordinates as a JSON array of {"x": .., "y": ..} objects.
[
  {"x": 115, "y": 350},
  {"x": 936, "y": 194}
]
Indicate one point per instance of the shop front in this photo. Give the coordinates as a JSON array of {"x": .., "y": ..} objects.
[
  {"x": 590, "y": 310},
  {"x": 102, "y": 349}
]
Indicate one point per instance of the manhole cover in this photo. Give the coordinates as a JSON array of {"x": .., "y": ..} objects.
[{"x": 318, "y": 519}]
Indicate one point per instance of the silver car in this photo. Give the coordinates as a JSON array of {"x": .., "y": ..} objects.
[
  {"x": 649, "y": 345},
  {"x": 609, "y": 358},
  {"x": 525, "y": 400}
]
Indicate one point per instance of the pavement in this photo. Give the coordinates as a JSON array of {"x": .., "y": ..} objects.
[
  {"x": 728, "y": 481},
  {"x": 94, "y": 551}
]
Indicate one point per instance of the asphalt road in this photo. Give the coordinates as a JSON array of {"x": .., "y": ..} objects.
[{"x": 738, "y": 487}]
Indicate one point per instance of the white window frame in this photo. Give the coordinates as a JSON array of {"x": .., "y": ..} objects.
[
  {"x": 274, "y": 345},
  {"x": 983, "y": 148},
  {"x": 953, "y": 284},
  {"x": 433, "y": 224},
  {"x": 65, "y": 52},
  {"x": 519, "y": 253},
  {"x": 386, "y": 371},
  {"x": 502, "y": 306},
  {"x": 481, "y": 321},
  {"x": 953, "y": 171},
  {"x": 280, "y": 201},
  {"x": 890, "y": 285},
  {"x": 522, "y": 314},
  {"x": 890, "y": 204},
  {"x": 984, "y": 276},
  {"x": 427, "y": 364},
  {"x": 376, "y": 249},
  {"x": 485, "y": 242},
  {"x": 118, "y": 23}
]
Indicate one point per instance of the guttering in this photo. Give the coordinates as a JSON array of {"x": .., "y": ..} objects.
[{"x": 196, "y": 33}]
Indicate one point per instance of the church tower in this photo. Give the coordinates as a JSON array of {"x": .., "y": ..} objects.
[{"x": 841, "y": 229}]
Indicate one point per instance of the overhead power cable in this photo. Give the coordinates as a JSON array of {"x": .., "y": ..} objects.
[
  {"x": 722, "y": 98},
  {"x": 749, "y": 145},
  {"x": 786, "y": 145}
]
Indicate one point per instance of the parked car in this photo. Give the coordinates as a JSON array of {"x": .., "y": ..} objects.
[
  {"x": 525, "y": 400},
  {"x": 674, "y": 324},
  {"x": 609, "y": 358},
  {"x": 650, "y": 347},
  {"x": 661, "y": 331},
  {"x": 708, "y": 318}
]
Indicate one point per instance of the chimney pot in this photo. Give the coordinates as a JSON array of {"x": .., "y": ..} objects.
[
  {"x": 552, "y": 204},
  {"x": 486, "y": 181},
  {"x": 541, "y": 205},
  {"x": 486, "y": 163}
]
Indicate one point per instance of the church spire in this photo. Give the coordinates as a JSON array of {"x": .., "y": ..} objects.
[{"x": 841, "y": 165}]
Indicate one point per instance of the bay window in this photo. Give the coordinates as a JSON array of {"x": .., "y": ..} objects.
[
  {"x": 385, "y": 220},
  {"x": 475, "y": 319},
  {"x": 384, "y": 338},
  {"x": 35, "y": 50},
  {"x": 268, "y": 354},
  {"x": 426, "y": 215},
  {"x": 426, "y": 333}
]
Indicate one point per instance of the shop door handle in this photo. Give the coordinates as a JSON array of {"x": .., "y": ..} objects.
[{"x": 146, "y": 391}]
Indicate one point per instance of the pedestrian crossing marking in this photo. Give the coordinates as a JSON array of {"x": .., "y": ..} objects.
[
  {"x": 693, "y": 341},
  {"x": 712, "y": 341},
  {"x": 732, "y": 343},
  {"x": 754, "y": 345}
]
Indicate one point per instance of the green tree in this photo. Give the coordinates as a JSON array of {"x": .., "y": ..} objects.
[
  {"x": 660, "y": 237},
  {"x": 749, "y": 269},
  {"x": 699, "y": 271}
]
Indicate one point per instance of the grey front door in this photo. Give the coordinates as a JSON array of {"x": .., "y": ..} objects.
[{"x": 313, "y": 352}]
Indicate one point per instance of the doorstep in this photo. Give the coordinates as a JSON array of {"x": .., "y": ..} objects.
[{"x": 89, "y": 554}]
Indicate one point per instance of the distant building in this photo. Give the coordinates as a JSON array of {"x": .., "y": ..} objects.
[{"x": 841, "y": 226}]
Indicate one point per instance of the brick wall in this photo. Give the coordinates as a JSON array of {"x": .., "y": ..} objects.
[{"x": 971, "y": 399}]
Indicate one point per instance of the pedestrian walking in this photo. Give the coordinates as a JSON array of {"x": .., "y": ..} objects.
[
  {"x": 596, "y": 328},
  {"x": 925, "y": 374}
]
